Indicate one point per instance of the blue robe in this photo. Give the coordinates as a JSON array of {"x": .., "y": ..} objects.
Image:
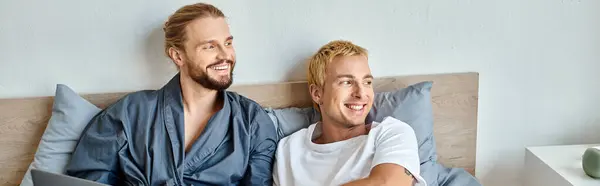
[{"x": 139, "y": 140}]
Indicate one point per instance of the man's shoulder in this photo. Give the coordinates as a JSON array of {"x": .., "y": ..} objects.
[
  {"x": 296, "y": 137},
  {"x": 242, "y": 100},
  {"x": 254, "y": 116},
  {"x": 134, "y": 101},
  {"x": 247, "y": 107},
  {"x": 139, "y": 97},
  {"x": 300, "y": 134}
]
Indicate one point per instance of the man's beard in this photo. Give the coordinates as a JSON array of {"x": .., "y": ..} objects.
[{"x": 201, "y": 77}]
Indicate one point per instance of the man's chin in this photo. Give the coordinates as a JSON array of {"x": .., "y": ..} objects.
[
  {"x": 221, "y": 85},
  {"x": 222, "y": 82},
  {"x": 214, "y": 84},
  {"x": 220, "y": 78},
  {"x": 355, "y": 119}
]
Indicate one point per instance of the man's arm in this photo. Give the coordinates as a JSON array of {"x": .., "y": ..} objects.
[
  {"x": 386, "y": 174},
  {"x": 96, "y": 155},
  {"x": 396, "y": 158},
  {"x": 264, "y": 144}
]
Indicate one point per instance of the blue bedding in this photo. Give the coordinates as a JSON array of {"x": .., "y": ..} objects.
[
  {"x": 435, "y": 174},
  {"x": 454, "y": 177}
]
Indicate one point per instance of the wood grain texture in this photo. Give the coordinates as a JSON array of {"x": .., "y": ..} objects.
[{"x": 454, "y": 99}]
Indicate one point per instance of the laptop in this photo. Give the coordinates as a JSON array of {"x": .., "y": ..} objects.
[{"x": 45, "y": 178}]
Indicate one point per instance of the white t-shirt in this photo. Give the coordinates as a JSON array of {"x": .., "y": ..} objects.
[{"x": 301, "y": 162}]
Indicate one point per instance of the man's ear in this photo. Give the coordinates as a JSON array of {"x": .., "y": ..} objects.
[
  {"x": 177, "y": 56},
  {"x": 315, "y": 93}
]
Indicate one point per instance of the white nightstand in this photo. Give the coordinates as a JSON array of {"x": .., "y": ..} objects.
[{"x": 557, "y": 166}]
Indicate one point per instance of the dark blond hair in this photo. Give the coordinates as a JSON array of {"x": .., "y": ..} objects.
[
  {"x": 174, "y": 28},
  {"x": 317, "y": 64}
]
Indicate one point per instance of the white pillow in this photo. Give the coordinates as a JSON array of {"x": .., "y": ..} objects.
[{"x": 70, "y": 115}]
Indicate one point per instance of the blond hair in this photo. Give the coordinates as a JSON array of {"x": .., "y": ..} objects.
[
  {"x": 317, "y": 64},
  {"x": 174, "y": 28}
]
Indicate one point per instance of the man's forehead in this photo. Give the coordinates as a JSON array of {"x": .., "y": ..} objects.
[
  {"x": 208, "y": 28},
  {"x": 357, "y": 65},
  {"x": 348, "y": 68}
]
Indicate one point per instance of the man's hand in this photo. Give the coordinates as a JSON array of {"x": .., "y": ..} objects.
[{"x": 386, "y": 174}]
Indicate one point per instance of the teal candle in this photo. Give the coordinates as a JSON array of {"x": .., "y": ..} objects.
[{"x": 591, "y": 162}]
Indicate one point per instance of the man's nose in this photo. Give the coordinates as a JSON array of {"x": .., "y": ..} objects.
[
  {"x": 359, "y": 91},
  {"x": 224, "y": 53}
]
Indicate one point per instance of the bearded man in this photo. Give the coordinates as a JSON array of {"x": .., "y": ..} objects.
[{"x": 191, "y": 131}]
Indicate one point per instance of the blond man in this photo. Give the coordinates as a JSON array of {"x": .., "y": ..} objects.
[
  {"x": 191, "y": 131},
  {"x": 341, "y": 149}
]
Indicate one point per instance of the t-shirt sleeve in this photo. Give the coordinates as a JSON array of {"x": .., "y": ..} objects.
[{"x": 396, "y": 143}]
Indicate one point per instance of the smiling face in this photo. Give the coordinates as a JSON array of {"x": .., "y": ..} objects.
[
  {"x": 346, "y": 96},
  {"x": 208, "y": 56}
]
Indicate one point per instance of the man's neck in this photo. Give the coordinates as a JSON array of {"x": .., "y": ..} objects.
[
  {"x": 334, "y": 132},
  {"x": 197, "y": 99}
]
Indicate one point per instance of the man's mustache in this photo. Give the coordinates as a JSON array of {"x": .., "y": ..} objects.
[{"x": 220, "y": 62}]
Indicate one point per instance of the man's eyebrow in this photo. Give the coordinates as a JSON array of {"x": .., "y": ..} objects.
[
  {"x": 204, "y": 42},
  {"x": 344, "y": 76},
  {"x": 212, "y": 41},
  {"x": 368, "y": 76}
]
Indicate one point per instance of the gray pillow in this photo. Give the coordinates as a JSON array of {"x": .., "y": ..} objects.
[
  {"x": 455, "y": 177},
  {"x": 290, "y": 120},
  {"x": 411, "y": 105},
  {"x": 70, "y": 114}
]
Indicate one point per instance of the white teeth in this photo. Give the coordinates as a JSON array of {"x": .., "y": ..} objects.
[
  {"x": 221, "y": 67},
  {"x": 355, "y": 107}
]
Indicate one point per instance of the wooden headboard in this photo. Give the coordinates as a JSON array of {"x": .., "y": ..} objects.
[{"x": 454, "y": 99}]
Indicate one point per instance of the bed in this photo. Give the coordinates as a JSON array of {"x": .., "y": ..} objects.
[{"x": 454, "y": 99}]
